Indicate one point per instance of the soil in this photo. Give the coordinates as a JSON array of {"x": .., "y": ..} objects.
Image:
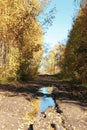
[{"x": 18, "y": 109}]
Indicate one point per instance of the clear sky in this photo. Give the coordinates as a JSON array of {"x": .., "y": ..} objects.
[{"x": 65, "y": 11}]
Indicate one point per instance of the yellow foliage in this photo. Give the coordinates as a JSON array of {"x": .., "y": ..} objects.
[
  {"x": 14, "y": 62},
  {"x": 20, "y": 35}
]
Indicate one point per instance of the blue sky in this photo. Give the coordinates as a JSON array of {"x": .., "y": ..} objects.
[{"x": 65, "y": 11}]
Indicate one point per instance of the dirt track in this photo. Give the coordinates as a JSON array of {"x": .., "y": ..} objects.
[{"x": 16, "y": 103}]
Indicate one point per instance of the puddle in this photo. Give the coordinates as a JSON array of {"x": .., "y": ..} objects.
[{"x": 46, "y": 100}]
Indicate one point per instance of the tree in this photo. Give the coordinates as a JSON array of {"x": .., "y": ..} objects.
[
  {"x": 75, "y": 61},
  {"x": 51, "y": 61},
  {"x": 20, "y": 37}
]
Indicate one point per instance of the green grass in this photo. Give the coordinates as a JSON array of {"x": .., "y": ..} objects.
[
  {"x": 70, "y": 80},
  {"x": 84, "y": 85},
  {"x": 3, "y": 80},
  {"x": 64, "y": 79}
]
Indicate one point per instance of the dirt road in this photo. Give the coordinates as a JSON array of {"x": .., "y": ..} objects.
[{"x": 18, "y": 109}]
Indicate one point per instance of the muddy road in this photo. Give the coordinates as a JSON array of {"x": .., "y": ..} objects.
[{"x": 25, "y": 106}]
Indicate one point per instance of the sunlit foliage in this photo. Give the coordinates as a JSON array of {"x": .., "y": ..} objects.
[
  {"x": 51, "y": 61},
  {"x": 75, "y": 61},
  {"x": 20, "y": 38}
]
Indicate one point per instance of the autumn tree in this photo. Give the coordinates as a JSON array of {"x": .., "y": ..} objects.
[
  {"x": 20, "y": 38},
  {"x": 75, "y": 61},
  {"x": 52, "y": 60}
]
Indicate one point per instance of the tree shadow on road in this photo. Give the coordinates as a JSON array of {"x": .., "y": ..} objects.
[{"x": 62, "y": 91}]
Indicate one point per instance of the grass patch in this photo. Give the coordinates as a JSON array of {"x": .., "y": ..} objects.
[
  {"x": 11, "y": 80},
  {"x": 3, "y": 80},
  {"x": 59, "y": 76},
  {"x": 70, "y": 81},
  {"x": 84, "y": 85}
]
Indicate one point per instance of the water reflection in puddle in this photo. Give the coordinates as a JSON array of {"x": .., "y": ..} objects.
[{"x": 46, "y": 100}]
